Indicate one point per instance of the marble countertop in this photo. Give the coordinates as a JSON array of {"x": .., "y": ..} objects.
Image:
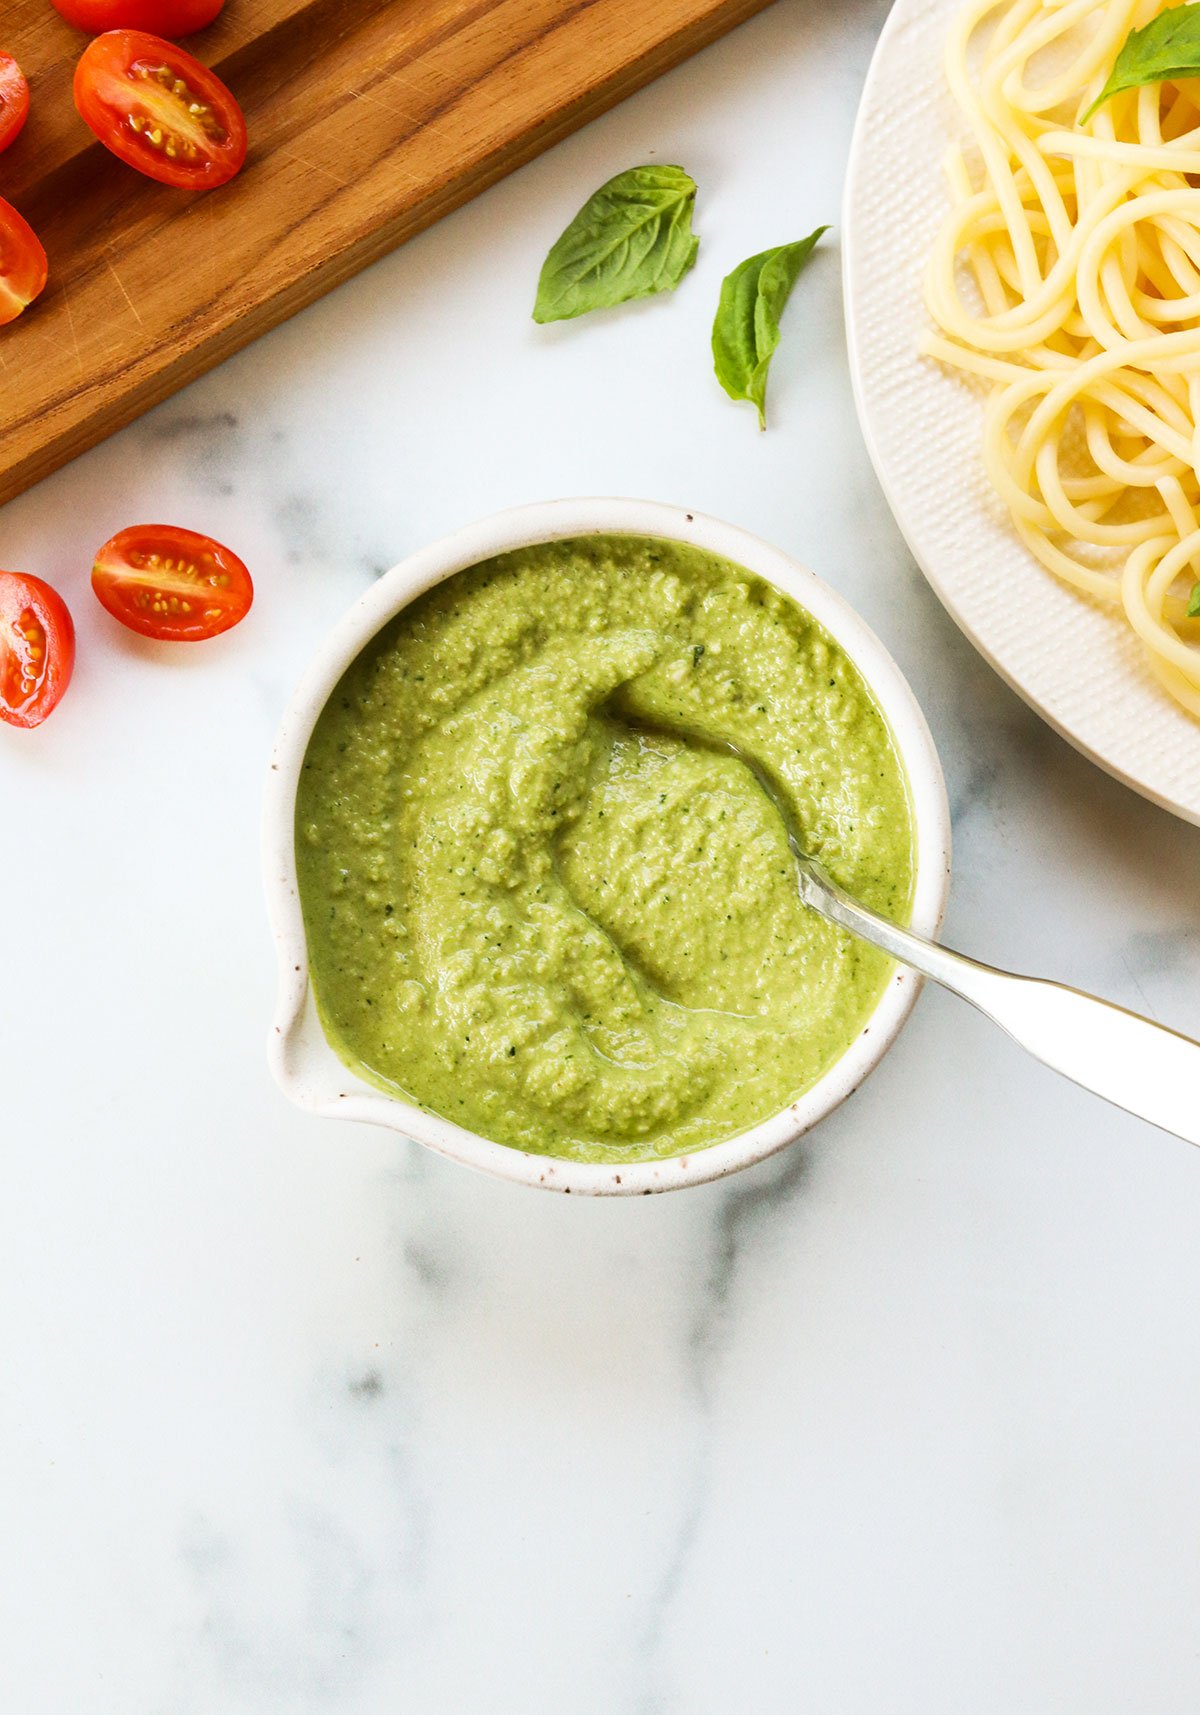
[{"x": 297, "y": 1417}]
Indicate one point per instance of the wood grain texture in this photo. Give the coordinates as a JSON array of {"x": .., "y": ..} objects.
[{"x": 368, "y": 121}]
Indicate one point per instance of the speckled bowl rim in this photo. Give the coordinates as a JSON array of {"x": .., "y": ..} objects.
[{"x": 302, "y": 1061}]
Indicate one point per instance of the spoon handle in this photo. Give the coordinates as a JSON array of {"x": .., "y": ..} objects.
[{"x": 1140, "y": 1066}]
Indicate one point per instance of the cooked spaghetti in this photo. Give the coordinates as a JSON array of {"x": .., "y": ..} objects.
[{"x": 1067, "y": 278}]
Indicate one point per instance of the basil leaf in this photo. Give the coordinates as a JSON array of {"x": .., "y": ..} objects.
[
  {"x": 746, "y": 330},
  {"x": 1168, "y": 47},
  {"x": 1193, "y": 607},
  {"x": 633, "y": 238}
]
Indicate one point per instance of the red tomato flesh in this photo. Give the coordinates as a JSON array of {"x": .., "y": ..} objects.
[
  {"x": 22, "y": 263},
  {"x": 14, "y": 99},
  {"x": 160, "y": 110},
  {"x": 163, "y": 17},
  {"x": 37, "y": 649},
  {"x": 170, "y": 583}
]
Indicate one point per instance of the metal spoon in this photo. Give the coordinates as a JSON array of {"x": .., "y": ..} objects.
[{"x": 1140, "y": 1066}]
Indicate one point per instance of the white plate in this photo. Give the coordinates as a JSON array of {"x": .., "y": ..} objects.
[{"x": 1079, "y": 667}]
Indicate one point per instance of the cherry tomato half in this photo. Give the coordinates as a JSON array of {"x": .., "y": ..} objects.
[
  {"x": 14, "y": 99},
  {"x": 37, "y": 649},
  {"x": 160, "y": 110},
  {"x": 22, "y": 263},
  {"x": 171, "y": 583},
  {"x": 164, "y": 17}
]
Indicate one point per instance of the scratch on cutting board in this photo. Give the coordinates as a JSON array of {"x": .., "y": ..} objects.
[
  {"x": 313, "y": 167},
  {"x": 211, "y": 248},
  {"x": 124, "y": 291},
  {"x": 66, "y": 298},
  {"x": 410, "y": 114}
]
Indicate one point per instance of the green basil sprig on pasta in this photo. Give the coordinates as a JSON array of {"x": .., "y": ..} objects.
[{"x": 1167, "y": 47}]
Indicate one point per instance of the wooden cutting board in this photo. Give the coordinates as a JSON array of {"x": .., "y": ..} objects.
[{"x": 368, "y": 120}]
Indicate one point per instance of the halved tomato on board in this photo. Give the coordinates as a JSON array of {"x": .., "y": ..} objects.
[
  {"x": 37, "y": 649},
  {"x": 164, "y": 17},
  {"x": 171, "y": 583},
  {"x": 14, "y": 99},
  {"x": 22, "y": 263},
  {"x": 160, "y": 110}
]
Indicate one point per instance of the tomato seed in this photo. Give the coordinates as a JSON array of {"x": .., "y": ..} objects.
[{"x": 199, "y": 110}]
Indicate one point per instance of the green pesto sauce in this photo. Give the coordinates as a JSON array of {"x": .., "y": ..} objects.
[{"x": 535, "y": 908}]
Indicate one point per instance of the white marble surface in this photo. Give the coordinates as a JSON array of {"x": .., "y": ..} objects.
[{"x": 295, "y": 1417}]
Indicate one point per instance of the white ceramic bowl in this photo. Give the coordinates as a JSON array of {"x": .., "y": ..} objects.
[{"x": 304, "y": 1064}]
